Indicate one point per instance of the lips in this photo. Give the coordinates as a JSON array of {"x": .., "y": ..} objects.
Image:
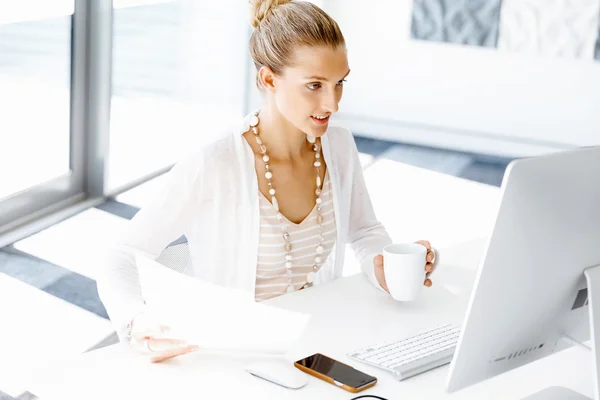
[{"x": 321, "y": 120}]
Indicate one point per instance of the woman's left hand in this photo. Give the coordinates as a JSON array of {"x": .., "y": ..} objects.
[{"x": 430, "y": 264}]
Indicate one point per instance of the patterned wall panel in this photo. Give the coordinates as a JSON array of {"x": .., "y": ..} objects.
[
  {"x": 561, "y": 28},
  {"x": 471, "y": 22}
]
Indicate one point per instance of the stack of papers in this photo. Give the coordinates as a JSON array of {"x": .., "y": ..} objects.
[{"x": 214, "y": 317}]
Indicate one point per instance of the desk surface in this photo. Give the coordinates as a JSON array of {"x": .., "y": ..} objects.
[{"x": 347, "y": 314}]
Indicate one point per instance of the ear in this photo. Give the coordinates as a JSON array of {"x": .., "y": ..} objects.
[{"x": 267, "y": 78}]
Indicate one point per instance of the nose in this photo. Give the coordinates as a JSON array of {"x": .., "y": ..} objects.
[{"x": 331, "y": 101}]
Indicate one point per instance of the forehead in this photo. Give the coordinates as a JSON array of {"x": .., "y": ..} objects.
[{"x": 319, "y": 61}]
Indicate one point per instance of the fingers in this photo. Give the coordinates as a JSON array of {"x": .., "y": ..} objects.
[
  {"x": 430, "y": 256},
  {"x": 151, "y": 340},
  {"x": 160, "y": 349},
  {"x": 166, "y": 355},
  {"x": 158, "y": 344},
  {"x": 429, "y": 267},
  {"x": 431, "y": 261},
  {"x": 379, "y": 273},
  {"x": 378, "y": 261}
]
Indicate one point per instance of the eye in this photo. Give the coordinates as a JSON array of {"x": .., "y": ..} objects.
[
  {"x": 341, "y": 83},
  {"x": 313, "y": 86}
]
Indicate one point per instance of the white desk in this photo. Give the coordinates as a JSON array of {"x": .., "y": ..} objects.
[{"x": 347, "y": 314}]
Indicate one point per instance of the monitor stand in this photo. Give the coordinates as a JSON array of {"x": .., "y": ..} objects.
[
  {"x": 556, "y": 393},
  {"x": 592, "y": 276}
]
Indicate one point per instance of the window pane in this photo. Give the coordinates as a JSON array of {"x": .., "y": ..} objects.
[
  {"x": 35, "y": 64},
  {"x": 179, "y": 70}
]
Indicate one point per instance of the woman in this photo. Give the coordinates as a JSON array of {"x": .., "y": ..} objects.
[{"x": 268, "y": 207}]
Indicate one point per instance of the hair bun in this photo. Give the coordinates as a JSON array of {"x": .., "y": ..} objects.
[{"x": 259, "y": 9}]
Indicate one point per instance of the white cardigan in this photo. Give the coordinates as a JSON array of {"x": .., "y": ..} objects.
[{"x": 212, "y": 199}]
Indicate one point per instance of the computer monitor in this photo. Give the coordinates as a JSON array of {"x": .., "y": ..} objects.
[{"x": 531, "y": 297}]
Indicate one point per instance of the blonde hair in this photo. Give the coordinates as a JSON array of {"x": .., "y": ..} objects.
[{"x": 282, "y": 25}]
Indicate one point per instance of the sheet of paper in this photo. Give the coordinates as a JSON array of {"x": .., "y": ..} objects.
[{"x": 215, "y": 317}]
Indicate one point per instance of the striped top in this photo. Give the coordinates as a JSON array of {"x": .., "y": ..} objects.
[{"x": 271, "y": 277}]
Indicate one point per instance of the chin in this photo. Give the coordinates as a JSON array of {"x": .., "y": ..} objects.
[
  {"x": 316, "y": 131},
  {"x": 318, "y": 134}
]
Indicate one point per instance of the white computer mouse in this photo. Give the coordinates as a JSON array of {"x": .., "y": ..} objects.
[{"x": 280, "y": 372}]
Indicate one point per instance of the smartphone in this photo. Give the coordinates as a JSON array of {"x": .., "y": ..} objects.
[{"x": 336, "y": 373}]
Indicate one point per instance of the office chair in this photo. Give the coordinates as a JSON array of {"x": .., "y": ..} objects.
[{"x": 176, "y": 257}]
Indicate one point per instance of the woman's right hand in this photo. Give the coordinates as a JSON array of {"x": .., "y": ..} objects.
[{"x": 153, "y": 340}]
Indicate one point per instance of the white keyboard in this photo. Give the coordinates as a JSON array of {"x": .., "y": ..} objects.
[{"x": 414, "y": 354}]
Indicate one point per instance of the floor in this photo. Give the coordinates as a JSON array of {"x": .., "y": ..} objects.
[{"x": 44, "y": 268}]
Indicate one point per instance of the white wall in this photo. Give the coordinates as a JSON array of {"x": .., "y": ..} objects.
[{"x": 468, "y": 98}]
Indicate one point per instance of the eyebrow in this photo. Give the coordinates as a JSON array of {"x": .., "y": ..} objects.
[{"x": 320, "y": 78}]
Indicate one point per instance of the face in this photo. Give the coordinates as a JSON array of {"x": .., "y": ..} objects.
[{"x": 308, "y": 92}]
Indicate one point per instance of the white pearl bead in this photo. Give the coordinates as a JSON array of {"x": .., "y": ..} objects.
[
  {"x": 317, "y": 155},
  {"x": 288, "y": 257},
  {"x": 272, "y": 192},
  {"x": 320, "y": 249},
  {"x": 319, "y": 200},
  {"x": 266, "y": 158},
  {"x": 318, "y": 181},
  {"x": 255, "y": 130},
  {"x": 317, "y": 164},
  {"x": 253, "y": 120},
  {"x": 288, "y": 264},
  {"x": 318, "y": 259},
  {"x": 268, "y": 174}
]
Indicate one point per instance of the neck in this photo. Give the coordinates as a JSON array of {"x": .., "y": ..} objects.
[{"x": 283, "y": 140}]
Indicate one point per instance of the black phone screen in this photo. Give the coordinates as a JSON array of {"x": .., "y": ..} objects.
[{"x": 337, "y": 370}]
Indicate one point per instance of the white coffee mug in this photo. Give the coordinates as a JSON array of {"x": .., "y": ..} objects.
[{"x": 404, "y": 269}]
